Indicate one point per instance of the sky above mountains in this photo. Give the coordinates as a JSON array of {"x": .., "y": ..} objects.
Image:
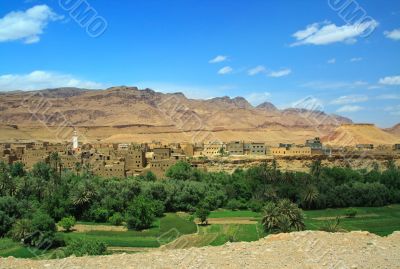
[{"x": 341, "y": 54}]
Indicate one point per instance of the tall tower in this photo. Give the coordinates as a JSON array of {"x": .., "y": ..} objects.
[{"x": 75, "y": 144}]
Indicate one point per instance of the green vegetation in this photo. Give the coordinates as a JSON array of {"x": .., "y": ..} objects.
[
  {"x": 162, "y": 231},
  {"x": 378, "y": 220},
  {"x": 31, "y": 202},
  {"x": 67, "y": 223},
  {"x": 202, "y": 213},
  {"x": 79, "y": 248},
  {"x": 283, "y": 216},
  {"x": 140, "y": 213}
]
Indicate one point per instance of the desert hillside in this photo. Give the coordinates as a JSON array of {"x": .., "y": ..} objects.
[
  {"x": 394, "y": 130},
  {"x": 127, "y": 114},
  {"x": 350, "y": 134},
  {"x": 294, "y": 250}
]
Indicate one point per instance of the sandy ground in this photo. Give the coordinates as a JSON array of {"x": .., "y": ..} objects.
[{"x": 296, "y": 250}]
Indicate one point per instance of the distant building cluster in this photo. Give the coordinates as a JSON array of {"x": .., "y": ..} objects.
[{"x": 124, "y": 160}]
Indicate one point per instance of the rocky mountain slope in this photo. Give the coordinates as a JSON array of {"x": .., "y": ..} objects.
[
  {"x": 131, "y": 106},
  {"x": 294, "y": 250},
  {"x": 127, "y": 114},
  {"x": 394, "y": 130}
]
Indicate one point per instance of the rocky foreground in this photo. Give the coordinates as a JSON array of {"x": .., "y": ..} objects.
[{"x": 295, "y": 250}]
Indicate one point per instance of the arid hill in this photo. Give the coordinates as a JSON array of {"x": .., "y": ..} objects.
[
  {"x": 351, "y": 134},
  {"x": 394, "y": 130},
  {"x": 127, "y": 114}
]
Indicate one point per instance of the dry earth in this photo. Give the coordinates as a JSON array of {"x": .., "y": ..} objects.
[{"x": 295, "y": 250}]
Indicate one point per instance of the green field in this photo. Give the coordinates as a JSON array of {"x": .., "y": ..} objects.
[
  {"x": 163, "y": 231},
  {"x": 378, "y": 220},
  {"x": 15, "y": 249}
]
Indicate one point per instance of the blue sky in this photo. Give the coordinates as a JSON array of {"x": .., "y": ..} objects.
[{"x": 278, "y": 51}]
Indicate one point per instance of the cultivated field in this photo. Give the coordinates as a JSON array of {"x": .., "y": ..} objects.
[{"x": 176, "y": 231}]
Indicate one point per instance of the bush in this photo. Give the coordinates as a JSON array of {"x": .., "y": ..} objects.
[
  {"x": 21, "y": 230},
  {"x": 100, "y": 215},
  {"x": 202, "y": 213},
  {"x": 79, "y": 248},
  {"x": 159, "y": 208},
  {"x": 332, "y": 226},
  {"x": 351, "y": 213},
  {"x": 67, "y": 223},
  {"x": 43, "y": 230},
  {"x": 255, "y": 205},
  {"x": 140, "y": 213},
  {"x": 283, "y": 216},
  {"x": 236, "y": 205},
  {"x": 116, "y": 219}
]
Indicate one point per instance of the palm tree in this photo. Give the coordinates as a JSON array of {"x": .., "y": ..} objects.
[
  {"x": 21, "y": 229},
  {"x": 283, "y": 217},
  {"x": 293, "y": 212},
  {"x": 271, "y": 216},
  {"x": 54, "y": 160},
  {"x": 78, "y": 167},
  {"x": 309, "y": 196},
  {"x": 316, "y": 168}
]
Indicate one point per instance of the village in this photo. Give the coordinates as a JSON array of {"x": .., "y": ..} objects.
[{"x": 124, "y": 160}]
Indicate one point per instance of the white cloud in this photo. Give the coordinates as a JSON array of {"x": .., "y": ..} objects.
[
  {"x": 257, "y": 70},
  {"x": 393, "y": 110},
  {"x": 218, "y": 59},
  {"x": 280, "y": 73},
  {"x": 394, "y": 34},
  {"x": 26, "y": 25},
  {"x": 349, "y": 108},
  {"x": 225, "y": 70},
  {"x": 350, "y": 99},
  {"x": 38, "y": 80},
  {"x": 331, "y": 61},
  {"x": 257, "y": 98},
  {"x": 356, "y": 59},
  {"x": 389, "y": 97},
  {"x": 324, "y": 85},
  {"x": 328, "y": 33},
  {"x": 390, "y": 80}
]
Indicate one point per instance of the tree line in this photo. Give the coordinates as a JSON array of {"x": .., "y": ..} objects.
[{"x": 32, "y": 202}]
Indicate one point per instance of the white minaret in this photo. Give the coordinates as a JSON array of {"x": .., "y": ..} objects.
[{"x": 75, "y": 141}]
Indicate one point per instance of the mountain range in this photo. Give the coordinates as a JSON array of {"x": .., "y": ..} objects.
[{"x": 126, "y": 114}]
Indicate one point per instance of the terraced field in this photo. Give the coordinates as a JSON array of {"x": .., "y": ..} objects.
[{"x": 176, "y": 231}]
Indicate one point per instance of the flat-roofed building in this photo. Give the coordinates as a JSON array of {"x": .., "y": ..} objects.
[
  {"x": 255, "y": 148},
  {"x": 161, "y": 153},
  {"x": 314, "y": 144},
  {"x": 292, "y": 151},
  {"x": 33, "y": 156},
  {"x": 213, "y": 148},
  {"x": 235, "y": 148}
]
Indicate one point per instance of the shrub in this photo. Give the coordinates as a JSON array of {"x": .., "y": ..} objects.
[
  {"x": 100, "y": 215},
  {"x": 202, "y": 213},
  {"x": 140, "y": 213},
  {"x": 21, "y": 230},
  {"x": 283, "y": 216},
  {"x": 43, "y": 230},
  {"x": 79, "y": 248},
  {"x": 255, "y": 205},
  {"x": 116, "y": 219},
  {"x": 332, "y": 226},
  {"x": 67, "y": 223},
  {"x": 236, "y": 205},
  {"x": 351, "y": 213},
  {"x": 159, "y": 209}
]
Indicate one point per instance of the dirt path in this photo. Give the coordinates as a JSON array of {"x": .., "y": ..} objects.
[
  {"x": 345, "y": 217},
  {"x": 296, "y": 250},
  {"x": 81, "y": 228}
]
